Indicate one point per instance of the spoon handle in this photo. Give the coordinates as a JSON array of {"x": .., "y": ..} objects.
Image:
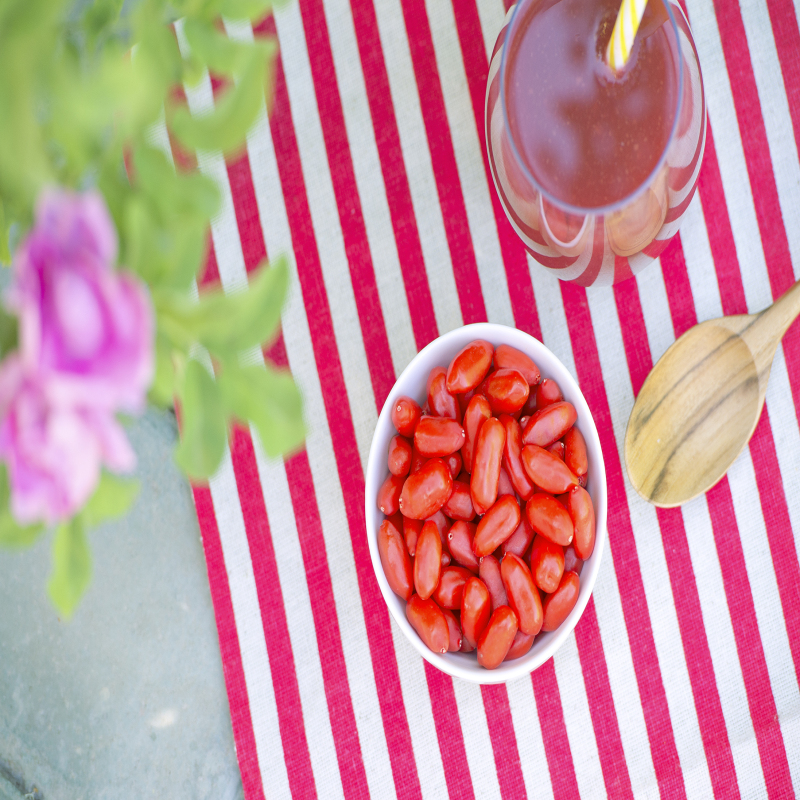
[
  {"x": 783, "y": 312},
  {"x": 768, "y": 328}
]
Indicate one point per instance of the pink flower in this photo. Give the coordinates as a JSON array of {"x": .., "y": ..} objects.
[
  {"x": 54, "y": 449},
  {"x": 86, "y": 325},
  {"x": 85, "y": 353}
]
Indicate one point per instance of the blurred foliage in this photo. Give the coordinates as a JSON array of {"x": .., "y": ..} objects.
[{"x": 81, "y": 89}]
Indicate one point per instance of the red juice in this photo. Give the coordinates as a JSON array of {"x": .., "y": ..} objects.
[{"x": 590, "y": 138}]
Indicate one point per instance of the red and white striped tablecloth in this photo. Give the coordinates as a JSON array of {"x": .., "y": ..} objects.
[{"x": 681, "y": 679}]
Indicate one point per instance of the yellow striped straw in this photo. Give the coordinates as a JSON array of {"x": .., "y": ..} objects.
[{"x": 621, "y": 42}]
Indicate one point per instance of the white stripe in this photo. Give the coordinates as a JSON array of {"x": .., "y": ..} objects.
[
  {"x": 655, "y": 577},
  {"x": 730, "y": 154},
  {"x": 246, "y": 612},
  {"x": 552, "y": 318},
  {"x": 417, "y": 159},
  {"x": 653, "y": 297},
  {"x": 325, "y": 219},
  {"x": 467, "y": 148},
  {"x": 777, "y": 118},
  {"x": 419, "y": 713},
  {"x": 491, "y": 13},
  {"x": 477, "y": 741},
  {"x": 578, "y": 720},
  {"x": 700, "y": 263},
  {"x": 786, "y": 438},
  {"x": 300, "y": 622},
  {"x": 722, "y": 648},
  {"x": 530, "y": 745},
  {"x": 766, "y": 601},
  {"x": 369, "y": 179},
  {"x": 319, "y": 446}
]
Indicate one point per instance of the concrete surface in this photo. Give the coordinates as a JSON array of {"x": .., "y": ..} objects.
[{"x": 127, "y": 700}]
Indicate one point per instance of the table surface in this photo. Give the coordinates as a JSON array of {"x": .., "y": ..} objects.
[
  {"x": 681, "y": 679},
  {"x": 127, "y": 700}
]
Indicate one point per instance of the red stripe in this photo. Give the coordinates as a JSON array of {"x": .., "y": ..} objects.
[
  {"x": 634, "y": 602},
  {"x": 777, "y": 522},
  {"x": 184, "y": 160},
  {"x": 273, "y": 618},
  {"x": 326, "y": 626},
  {"x": 720, "y": 234},
  {"x": 340, "y": 162},
  {"x": 679, "y": 292},
  {"x": 448, "y": 732},
  {"x": 210, "y": 274},
  {"x": 245, "y": 208},
  {"x": 340, "y": 424},
  {"x": 755, "y": 145},
  {"x": 309, "y": 527},
  {"x": 762, "y": 179},
  {"x": 440, "y": 144},
  {"x": 601, "y": 705},
  {"x": 554, "y": 732},
  {"x": 787, "y": 42},
  {"x": 748, "y": 641},
  {"x": 398, "y": 193},
  {"x": 676, "y": 549},
  {"x": 229, "y": 646},
  {"x": 504, "y": 742},
  {"x": 476, "y": 67},
  {"x": 698, "y": 656}
]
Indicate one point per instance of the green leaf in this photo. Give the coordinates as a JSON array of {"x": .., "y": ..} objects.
[
  {"x": 9, "y": 328},
  {"x": 174, "y": 195},
  {"x": 5, "y": 255},
  {"x": 72, "y": 567},
  {"x": 14, "y": 535},
  {"x": 162, "y": 390},
  {"x": 203, "y": 430},
  {"x": 244, "y": 9},
  {"x": 269, "y": 399},
  {"x": 219, "y": 53},
  {"x": 226, "y": 127},
  {"x": 112, "y": 498},
  {"x": 228, "y": 323},
  {"x": 100, "y": 16}
]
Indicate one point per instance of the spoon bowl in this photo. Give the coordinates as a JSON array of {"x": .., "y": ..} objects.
[{"x": 701, "y": 402}]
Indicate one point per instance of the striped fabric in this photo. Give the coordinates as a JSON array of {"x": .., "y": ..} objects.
[{"x": 681, "y": 679}]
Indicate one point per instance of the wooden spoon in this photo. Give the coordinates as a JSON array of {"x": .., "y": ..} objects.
[{"x": 700, "y": 404}]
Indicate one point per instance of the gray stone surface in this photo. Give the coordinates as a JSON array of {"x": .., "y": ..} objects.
[{"x": 127, "y": 700}]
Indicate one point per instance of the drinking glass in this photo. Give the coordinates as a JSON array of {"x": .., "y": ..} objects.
[{"x": 577, "y": 241}]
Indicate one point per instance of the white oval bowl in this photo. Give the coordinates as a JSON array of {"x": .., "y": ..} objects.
[{"x": 412, "y": 383}]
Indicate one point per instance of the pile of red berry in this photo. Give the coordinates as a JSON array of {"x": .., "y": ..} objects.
[{"x": 487, "y": 518}]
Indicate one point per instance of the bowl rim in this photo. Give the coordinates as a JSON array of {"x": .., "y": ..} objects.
[{"x": 461, "y": 665}]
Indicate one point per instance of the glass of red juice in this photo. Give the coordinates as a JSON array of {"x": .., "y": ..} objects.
[{"x": 595, "y": 169}]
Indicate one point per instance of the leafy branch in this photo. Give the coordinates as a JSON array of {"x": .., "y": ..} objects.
[{"x": 79, "y": 99}]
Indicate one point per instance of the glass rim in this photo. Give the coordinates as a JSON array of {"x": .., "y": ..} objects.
[{"x": 511, "y": 28}]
